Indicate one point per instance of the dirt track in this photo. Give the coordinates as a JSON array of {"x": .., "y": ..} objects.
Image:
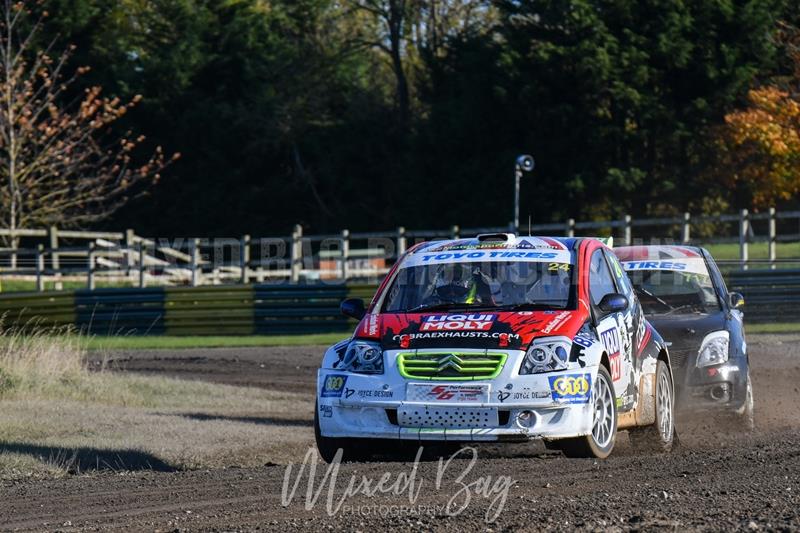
[{"x": 714, "y": 482}]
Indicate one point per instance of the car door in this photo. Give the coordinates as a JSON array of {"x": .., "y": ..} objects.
[
  {"x": 632, "y": 330},
  {"x": 611, "y": 327}
]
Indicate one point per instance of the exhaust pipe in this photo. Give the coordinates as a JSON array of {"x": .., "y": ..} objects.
[{"x": 719, "y": 393}]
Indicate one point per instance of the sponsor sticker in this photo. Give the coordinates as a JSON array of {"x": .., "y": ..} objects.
[
  {"x": 692, "y": 266},
  {"x": 556, "y": 321},
  {"x": 447, "y": 393},
  {"x": 511, "y": 254},
  {"x": 407, "y": 338},
  {"x": 610, "y": 340},
  {"x": 474, "y": 322},
  {"x": 333, "y": 386},
  {"x": 571, "y": 388},
  {"x": 523, "y": 395},
  {"x": 367, "y": 393}
]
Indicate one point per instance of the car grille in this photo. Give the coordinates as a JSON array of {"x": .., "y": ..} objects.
[
  {"x": 450, "y": 366},
  {"x": 678, "y": 358},
  {"x": 453, "y": 417}
]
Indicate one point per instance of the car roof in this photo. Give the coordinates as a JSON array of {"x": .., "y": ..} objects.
[
  {"x": 501, "y": 240},
  {"x": 657, "y": 251}
]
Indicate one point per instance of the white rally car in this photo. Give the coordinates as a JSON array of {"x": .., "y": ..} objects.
[{"x": 498, "y": 338}]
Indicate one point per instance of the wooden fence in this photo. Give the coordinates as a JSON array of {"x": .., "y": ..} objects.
[{"x": 55, "y": 258}]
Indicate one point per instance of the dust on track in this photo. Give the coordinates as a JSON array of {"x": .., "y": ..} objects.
[{"x": 715, "y": 481}]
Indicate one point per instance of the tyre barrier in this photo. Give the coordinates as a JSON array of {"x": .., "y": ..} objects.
[
  {"x": 265, "y": 309},
  {"x": 259, "y": 309}
]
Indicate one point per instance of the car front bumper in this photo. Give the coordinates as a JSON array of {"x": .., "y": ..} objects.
[
  {"x": 716, "y": 388},
  {"x": 511, "y": 408}
]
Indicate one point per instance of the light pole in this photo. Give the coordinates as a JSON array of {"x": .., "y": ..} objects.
[{"x": 524, "y": 163}]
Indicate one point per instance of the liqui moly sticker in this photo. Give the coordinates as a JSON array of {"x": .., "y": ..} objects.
[{"x": 460, "y": 322}]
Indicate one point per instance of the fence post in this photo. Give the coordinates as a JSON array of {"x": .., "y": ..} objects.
[
  {"x": 686, "y": 235},
  {"x": 194, "y": 246},
  {"x": 39, "y": 267},
  {"x": 773, "y": 238},
  {"x": 345, "y": 252},
  {"x": 297, "y": 253},
  {"x": 744, "y": 227},
  {"x": 52, "y": 233},
  {"x": 15, "y": 245},
  {"x": 90, "y": 268},
  {"x": 141, "y": 264},
  {"x": 454, "y": 231},
  {"x": 570, "y": 227},
  {"x": 129, "y": 238},
  {"x": 244, "y": 256},
  {"x": 401, "y": 241},
  {"x": 627, "y": 235}
]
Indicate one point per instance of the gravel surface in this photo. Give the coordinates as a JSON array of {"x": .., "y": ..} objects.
[{"x": 714, "y": 481}]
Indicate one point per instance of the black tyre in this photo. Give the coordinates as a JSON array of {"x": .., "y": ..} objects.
[
  {"x": 352, "y": 449},
  {"x": 600, "y": 442},
  {"x": 659, "y": 436}
]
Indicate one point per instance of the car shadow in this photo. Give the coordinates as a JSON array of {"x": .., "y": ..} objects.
[
  {"x": 261, "y": 420},
  {"x": 85, "y": 459}
]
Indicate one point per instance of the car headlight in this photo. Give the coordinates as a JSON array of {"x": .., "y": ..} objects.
[
  {"x": 714, "y": 349},
  {"x": 363, "y": 357},
  {"x": 547, "y": 354}
]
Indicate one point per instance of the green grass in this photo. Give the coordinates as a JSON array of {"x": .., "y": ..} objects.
[
  {"x": 16, "y": 285},
  {"x": 779, "y": 327},
  {"x": 759, "y": 250},
  {"x": 172, "y": 342}
]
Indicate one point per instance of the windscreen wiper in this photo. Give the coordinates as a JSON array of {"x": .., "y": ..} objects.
[
  {"x": 653, "y": 297},
  {"x": 447, "y": 306},
  {"x": 682, "y": 307},
  {"x": 531, "y": 306}
]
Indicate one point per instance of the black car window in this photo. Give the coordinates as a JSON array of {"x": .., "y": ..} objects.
[
  {"x": 674, "y": 292},
  {"x": 601, "y": 281}
]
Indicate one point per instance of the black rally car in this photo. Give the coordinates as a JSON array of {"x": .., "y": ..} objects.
[{"x": 684, "y": 296}]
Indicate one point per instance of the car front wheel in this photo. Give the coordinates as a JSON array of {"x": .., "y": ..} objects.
[{"x": 604, "y": 424}]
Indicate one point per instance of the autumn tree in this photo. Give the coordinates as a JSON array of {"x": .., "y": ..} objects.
[
  {"x": 60, "y": 161},
  {"x": 760, "y": 145}
]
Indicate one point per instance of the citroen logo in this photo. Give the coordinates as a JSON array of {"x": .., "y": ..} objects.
[{"x": 449, "y": 361}]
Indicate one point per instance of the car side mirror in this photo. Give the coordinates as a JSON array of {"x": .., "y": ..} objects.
[
  {"x": 735, "y": 300},
  {"x": 353, "y": 308},
  {"x": 613, "y": 303}
]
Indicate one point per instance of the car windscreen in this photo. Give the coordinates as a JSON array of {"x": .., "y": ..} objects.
[
  {"x": 506, "y": 279},
  {"x": 673, "y": 287}
]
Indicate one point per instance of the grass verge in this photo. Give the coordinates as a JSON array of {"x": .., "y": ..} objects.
[
  {"x": 57, "y": 417},
  {"x": 778, "y": 327},
  {"x": 157, "y": 342},
  {"x": 757, "y": 250}
]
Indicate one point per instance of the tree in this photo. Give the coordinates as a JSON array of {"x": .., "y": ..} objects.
[
  {"x": 60, "y": 161},
  {"x": 759, "y": 146}
]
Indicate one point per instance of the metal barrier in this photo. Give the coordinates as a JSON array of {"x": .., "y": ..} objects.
[{"x": 769, "y": 295}]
